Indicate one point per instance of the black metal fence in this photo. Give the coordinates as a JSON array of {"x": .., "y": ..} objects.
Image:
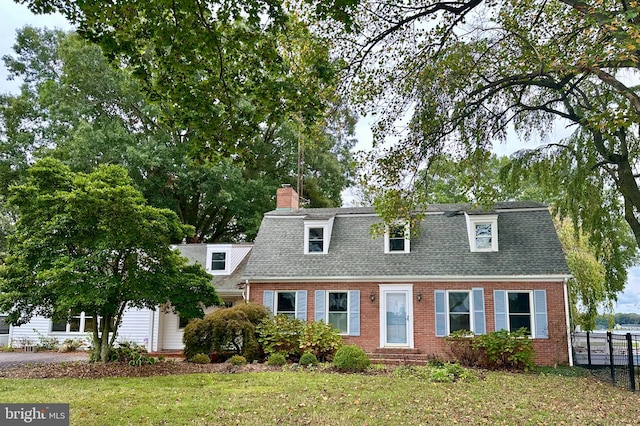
[{"x": 611, "y": 357}]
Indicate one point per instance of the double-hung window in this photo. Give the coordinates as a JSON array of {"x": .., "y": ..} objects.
[
  {"x": 397, "y": 239},
  {"x": 218, "y": 261},
  {"x": 4, "y": 326},
  {"x": 459, "y": 310},
  {"x": 519, "y": 310},
  {"x": 286, "y": 303},
  {"x": 483, "y": 232},
  {"x": 316, "y": 240},
  {"x": 338, "y": 310},
  {"x": 79, "y": 323},
  {"x": 483, "y": 236}
]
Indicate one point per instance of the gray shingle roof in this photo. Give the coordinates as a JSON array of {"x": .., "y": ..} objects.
[
  {"x": 528, "y": 245},
  {"x": 197, "y": 253}
]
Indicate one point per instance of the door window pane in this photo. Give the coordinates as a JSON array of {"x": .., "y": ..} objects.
[{"x": 396, "y": 311}]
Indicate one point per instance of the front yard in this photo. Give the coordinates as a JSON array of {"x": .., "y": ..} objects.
[{"x": 304, "y": 397}]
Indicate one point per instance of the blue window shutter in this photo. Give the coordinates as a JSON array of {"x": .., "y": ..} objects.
[
  {"x": 301, "y": 304},
  {"x": 500, "y": 309},
  {"x": 540, "y": 309},
  {"x": 441, "y": 313},
  {"x": 354, "y": 312},
  {"x": 320, "y": 302},
  {"x": 479, "y": 323},
  {"x": 267, "y": 300}
]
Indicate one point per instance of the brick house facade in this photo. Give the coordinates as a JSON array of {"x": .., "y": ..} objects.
[{"x": 405, "y": 291}]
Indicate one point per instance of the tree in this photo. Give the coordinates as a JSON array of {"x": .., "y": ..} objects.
[
  {"x": 89, "y": 242},
  {"x": 75, "y": 107},
  {"x": 469, "y": 72}
]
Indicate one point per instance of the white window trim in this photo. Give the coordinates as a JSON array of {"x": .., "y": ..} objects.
[
  {"x": 448, "y": 311},
  {"x": 219, "y": 248},
  {"x": 407, "y": 239},
  {"x": 81, "y": 327},
  {"x": 532, "y": 318},
  {"x": 472, "y": 221},
  {"x": 348, "y": 311},
  {"x": 295, "y": 301},
  {"x": 327, "y": 226}
]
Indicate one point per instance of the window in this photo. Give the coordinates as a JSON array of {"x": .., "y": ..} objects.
[
  {"x": 519, "y": 310},
  {"x": 459, "y": 309},
  {"x": 4, "y": 327},
  {"x": 338, "y": 310},
  {"x": 396, "y": 239},
  {"x": 80, "y": 323},
  {"x": 286, "y": 303},
  {"x": 182, "y": 322},
  {"x": 483, "y": 236},
  {"x": 317, "y": 235},
  {"x": 316, "y": 240},
  {"x": 483, "y": 232},
  {"x": 219, "y": 261}
]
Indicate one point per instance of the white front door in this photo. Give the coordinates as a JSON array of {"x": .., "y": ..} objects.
[{"x": 396, "y": 316}]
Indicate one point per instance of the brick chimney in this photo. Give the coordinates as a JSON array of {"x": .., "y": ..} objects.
[{"x": 286, "y": 198}]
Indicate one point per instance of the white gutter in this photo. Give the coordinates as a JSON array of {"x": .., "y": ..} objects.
[
  {"x": 411, "y": 279},
  {"x": 566, "y": 307}
]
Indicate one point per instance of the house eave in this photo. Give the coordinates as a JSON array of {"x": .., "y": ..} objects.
[{"x": 560, "y": 278}]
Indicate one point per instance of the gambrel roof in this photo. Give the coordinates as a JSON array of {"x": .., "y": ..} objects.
[{"x": 528, "y": 246}]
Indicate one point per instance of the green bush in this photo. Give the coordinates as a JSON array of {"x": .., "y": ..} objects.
[
  {"x": 237, "y": 360},
  {"x": 276, "y": 359},
  {"x": 226, "y": 330},
  {"x": 281, "y": 334},
  {"x": 308, "y": 359},
  {"x": 322, "y": 340},
  {"x": 444, "y": 373},
  {"x": 351, "y": 358},
  {"x": 292, "y": 337},
  {"x": 201, "y": 359},
  {"x": 462, "y": 345},
  {"x": 506, "y": 350}
]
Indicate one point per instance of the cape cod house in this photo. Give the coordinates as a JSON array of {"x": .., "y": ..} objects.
[{"x": 403, "y": 292}]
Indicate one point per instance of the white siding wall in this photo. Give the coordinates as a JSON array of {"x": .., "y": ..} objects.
[
  {"x": 135, "y": 326},
  {"x": 238, "y": 253},
  {"x": 27, "y": 334}
]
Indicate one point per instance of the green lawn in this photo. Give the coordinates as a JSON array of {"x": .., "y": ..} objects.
[{"x": 301, "y": 398}]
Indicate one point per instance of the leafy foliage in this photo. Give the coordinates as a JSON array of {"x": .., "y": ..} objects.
[
  {"x": 276, "y": 359},
  {"x": 226, "y": 330},
  {"x": 351, "y": 358},
  {"x": 500, "y": 349},
  {"x": 89, "y": 242},
  {"x": 200, "y": 358},
  {"x": 292, "y": 337},
  {"x": 237, "y": 360},
  {"x": 308, "y": 359}
]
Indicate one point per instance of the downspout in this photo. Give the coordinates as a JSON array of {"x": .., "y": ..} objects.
[
  {"x": 567, "y": 313},
  {"x": 246, "y": 292}
]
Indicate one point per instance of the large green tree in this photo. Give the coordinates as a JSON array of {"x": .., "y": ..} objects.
[
  {"x": 76, "y": 107},
  {"x": 90, "y": 243}
]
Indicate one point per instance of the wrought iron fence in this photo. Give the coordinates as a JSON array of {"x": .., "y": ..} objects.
[{"x": 611, "y": 357}]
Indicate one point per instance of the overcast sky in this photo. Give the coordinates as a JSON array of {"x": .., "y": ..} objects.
[{"x": 14, "y": 16}]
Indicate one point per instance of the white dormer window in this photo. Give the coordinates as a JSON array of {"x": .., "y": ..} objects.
[
  {"x": 483, "y": 232},
  {"x": 317, "y": 236},
  {"x": 219, "y": 259},
  {"x": 397, "y": 239}
]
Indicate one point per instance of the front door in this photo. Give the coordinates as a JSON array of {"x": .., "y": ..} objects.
[{"x": 396, "y": 316}]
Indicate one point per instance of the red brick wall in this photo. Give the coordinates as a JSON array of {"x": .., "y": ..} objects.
[{"x": 549, "y": 351}]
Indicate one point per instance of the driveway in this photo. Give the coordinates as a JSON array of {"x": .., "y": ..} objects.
[{"x": 14, "y": 359}]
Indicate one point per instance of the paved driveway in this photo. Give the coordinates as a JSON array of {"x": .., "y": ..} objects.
[{"x": 12, "y": 359}]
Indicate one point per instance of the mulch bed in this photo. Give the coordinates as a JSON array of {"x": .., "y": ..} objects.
[{"x": 83, "y": 369}]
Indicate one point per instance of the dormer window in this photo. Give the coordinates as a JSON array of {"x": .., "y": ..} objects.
[
  {"x": 397, "y": 239},
  {"x": 483, "y": 232},
  {"x": 218, "y": 259},
  {"x": 316, "y": 240},
  {"x": 317, "y": 235}
]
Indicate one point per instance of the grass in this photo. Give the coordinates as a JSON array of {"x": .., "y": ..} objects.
[{"x": 303, "y": 397}]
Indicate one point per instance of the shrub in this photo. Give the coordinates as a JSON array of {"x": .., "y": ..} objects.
[
  {"x": 132, "y": 353},
  {"x": 201, "y": 359},
  {"x": 506, "y": 349},
  {"x": 445, "y": 373},
  {"x": 276, "y": 359},
  {"x": 226, "y": 330},
  {"x": 281, "y": 334},
  {"x": 462, "y": 347},
  {"x": 308, "y": 359},
  {"x": 46, "y": 343},
  {"x": 292, "y": 337},
  {"x": 237, "y": 360},
  {"x": 322, "y": 340},
  {"x": 351, "y": 358},
  {"x": 70, "y": 345}
]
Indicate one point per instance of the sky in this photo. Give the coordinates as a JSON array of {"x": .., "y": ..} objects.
[{"x": 14, "y": 16}]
